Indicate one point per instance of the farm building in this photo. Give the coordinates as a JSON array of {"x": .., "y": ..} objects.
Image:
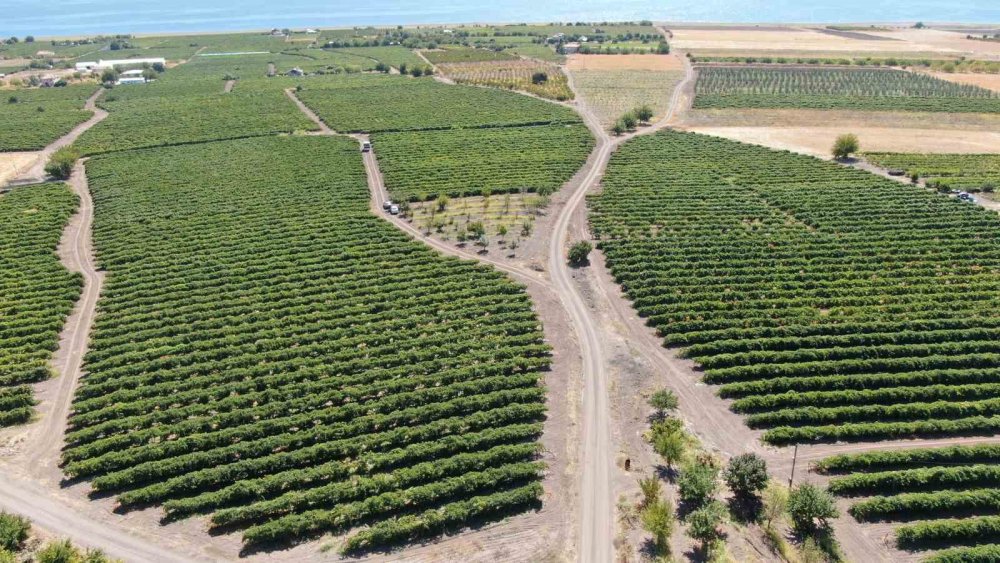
[
  {"x": 571, "y": 48},
  {"x": 130, "y": 80},
  {"x": 102, "y": 64}
]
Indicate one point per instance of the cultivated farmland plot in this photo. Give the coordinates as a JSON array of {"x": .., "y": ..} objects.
[
  {"x": 959, "y": 171},
  {"x": 831, "y": 304},
  {"x": 947, "y": 497},
  {"x": 36, "y": 292},
  {"x": 270, "y": 353},
  {"x": 33, "y": 118},
  {"x": 867, "y": 89},
  {"x": 512, "y": 75}
]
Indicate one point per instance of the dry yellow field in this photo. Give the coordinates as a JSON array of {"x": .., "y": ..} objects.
[
  {"x": 946, "y": 41},
  {"x": 11, "y": 163},
  {"x": 818, "y": 141},
  {"x": 989, "y": 81},
  {"x": 578, "y": 62},
  {"x": 794, "y": 40},
  {"x": 843, "y": 118}
]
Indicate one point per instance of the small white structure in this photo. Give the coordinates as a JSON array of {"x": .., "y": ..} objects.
[
  {"x": 133, "y": 72},
  {"x": 583, "y": 39},
  {"x": 311, "y": 31},
  {"x": 102, "y": 64},
  {"x": 571, "y": 48},
  {"x": 124, "y": 81}
]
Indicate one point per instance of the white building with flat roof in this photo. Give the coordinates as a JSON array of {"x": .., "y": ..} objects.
[{"x": 102, "y": 64}]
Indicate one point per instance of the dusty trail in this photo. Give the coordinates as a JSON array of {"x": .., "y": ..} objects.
[{"x": 36, "y": 173}]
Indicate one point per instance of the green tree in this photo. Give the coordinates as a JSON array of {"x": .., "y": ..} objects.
[
  {"x": 658, "y": 520},
  {"x": 109, "y": 76},
  {"x": 382, "y": 67},
  {"x": 416, "y": 71},
  {"x": 579, "y": 252},
  {"x": 539, "y": 78},
  {"x": 644, "y": 113},
  {"x": 746, "y": 475},
  {"x": 629, "y": 121},
  {"x": 698, "y": 483},
  {"x": 810, "y": 507},
  {"x": 663, "y": 48},
  {"x": 775, "y": 504},
  {"x": 671, "y": 447},
  {"x": 618, "y": 128},
  {"x": 58, "y": 552},
  {"x": 158, "y": 67},
  {"x": 663, "y": 400},
  {"x": 442, "y": 202},
  {"x": 703, "y": 523},
  {"x": 60, "y": 164},
  {"x": 845, "y": 145},
  {"x": 13, "y": 531}
]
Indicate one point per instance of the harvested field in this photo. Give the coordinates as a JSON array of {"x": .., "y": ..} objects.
[
  {"x": 624, "y": 62},
  {"x": 798, "y": 40},
  {"x": 817, "y": 141},
  {"x": 988, "y": 81},
  {"x": 12, "y": 163},
  {"x": 939, "y": 40},
  {"x": 611, "y": 93}
]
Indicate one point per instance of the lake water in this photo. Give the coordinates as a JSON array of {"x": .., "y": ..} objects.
[{"x": 74, "y": 17}]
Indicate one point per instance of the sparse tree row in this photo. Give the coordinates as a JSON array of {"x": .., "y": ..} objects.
[
  {"x": 819, "y": 88},
  {"x": 36, "y": 292},
  {"x": 271, "y": 354}
]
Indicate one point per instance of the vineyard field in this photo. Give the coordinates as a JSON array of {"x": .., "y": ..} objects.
[
  {"x": 181, "y": 119},
  {"x": 465, "y": 55},
  {"x": 392, "y": 56},
  {"x": 832, "y": 304},
  {"x": 512, "y": 75},
  {"x": 958, "y": 171},
  {"x": 35, "y": 117},
  {"x": 612, "y": 93},
  {"x": 841, "y": 88},
  {"x": 393, "y": 103},
  {"x": 946, "y": 497},
  {"x": 422, "y": 165},
  {"x": 37, "y": 294},
  {"x": 270, "y": 353}
]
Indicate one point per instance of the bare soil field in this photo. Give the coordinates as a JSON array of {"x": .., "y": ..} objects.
[
  {"x": 817, "y": 141},
  {"x": 988, "y": 81},
  {"x": 577, "y": 62},
  {"x": 800, "y": 40},
  {"x": 939, "y": 40},
  {"x": 13, "y": 163}
]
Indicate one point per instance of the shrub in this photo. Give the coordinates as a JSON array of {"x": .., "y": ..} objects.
[
  {"x": 658, "y": 520},
  {"x": 810, "y": 507},
  {"x": 13, "y": 531},
  {"x": 58, "y": 552},
  {"x": 644, "y": 113},
  {"x": 539, "y": 78},
  {"x": 663, "y": 400},
  {"x": 703, "y": 523},
  {"x": 845, "y": 145},
  {"x": 61, "y": 163},
  {"x": 579, "y": 253}
]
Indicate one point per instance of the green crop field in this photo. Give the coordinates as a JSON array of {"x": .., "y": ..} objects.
[
  {"x": 466, "y": 55},
  {"x": 841, "y": 88},
  {"x": 36, "y": 292},
  {"x": 269, "y": 352},
  {"x": 35, "y": 117},
  {"x": 392, "y": 56},
  {"x": 959, "y": 171},
  {"x": 424, "y": 164},
  {"x": 947, "y": 497},
  {"x": 376, "y": 103},
  {"x": 830, "y": 303}
]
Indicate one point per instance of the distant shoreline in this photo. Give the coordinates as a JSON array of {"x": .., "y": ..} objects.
[{"x": 957, "y": 26}]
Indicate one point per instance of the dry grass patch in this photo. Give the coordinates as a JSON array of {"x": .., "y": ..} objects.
[
  {"x": 808, "y": 41},
  {"x": 946, "y": 41},
  {"x": 988, "y": 81},
  {"x": 579, "y": 62},
  {"x": 13, "y": 163},
  {"x": 505, "y": 219},
  {"x": 817, "y": 141},
  {"x": 511, "y": 75}
]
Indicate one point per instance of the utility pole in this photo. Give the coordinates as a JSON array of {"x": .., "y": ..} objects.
[{"x": 795, "y": 458}]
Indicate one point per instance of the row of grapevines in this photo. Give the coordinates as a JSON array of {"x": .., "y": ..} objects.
[{"x": 36, "y": 292}]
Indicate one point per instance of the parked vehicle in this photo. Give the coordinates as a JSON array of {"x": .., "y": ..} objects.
[
  {"x": 386, "y": 204},
  {"x": 394, "y": 210},
  {"x": 366, "y": 146}
]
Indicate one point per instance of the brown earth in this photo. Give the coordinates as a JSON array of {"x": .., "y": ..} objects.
[
  {"x": 988, "y": 81},
  {"x": 14, "y": 163}
]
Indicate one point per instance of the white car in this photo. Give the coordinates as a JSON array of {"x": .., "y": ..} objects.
[
  {"x": 394, "y": 209},
  {"x": 386, "y": 204}
]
